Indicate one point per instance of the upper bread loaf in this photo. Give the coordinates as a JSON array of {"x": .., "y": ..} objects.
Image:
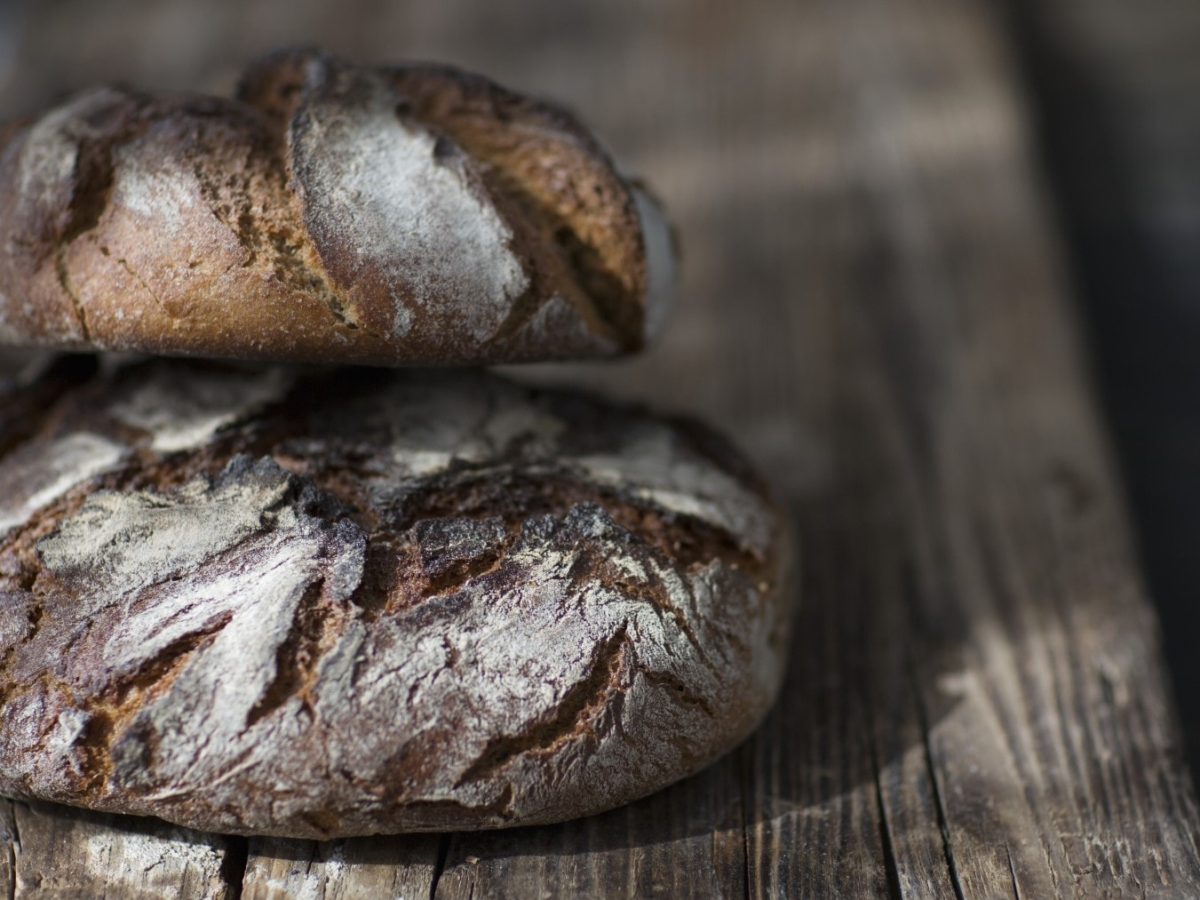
[{"x": 331, "y": 213}]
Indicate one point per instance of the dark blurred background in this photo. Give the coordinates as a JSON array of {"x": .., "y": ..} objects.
[{"x": 716, "y": 103}]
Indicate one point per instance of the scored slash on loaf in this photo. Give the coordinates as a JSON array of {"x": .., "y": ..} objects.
[
  {"x": 415, "y": 215},
  {"x": 345, "y": 603}
]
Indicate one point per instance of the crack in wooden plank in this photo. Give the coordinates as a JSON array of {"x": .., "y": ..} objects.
[
  {"x": 233, "y": 865},
  {"x": 1007, "y": 595},
  {"x": 746, "y": 789},
  {"x": 891, "y": 867},
  {"x": 1012, "y": 870},
  {"x": 439, "y": 866},
  {"x": 935, "y": 786},
  {"x": 14, "y": 850}
]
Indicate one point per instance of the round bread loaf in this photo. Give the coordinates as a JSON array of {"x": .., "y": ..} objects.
[
  {"x": 350, "y": 602},
  {"x": 393, "y": 216}
]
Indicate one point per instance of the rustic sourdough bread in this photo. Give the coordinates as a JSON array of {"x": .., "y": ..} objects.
[
  {"x": 334, "y": 603},
  {"x": 331, "y": 213}
]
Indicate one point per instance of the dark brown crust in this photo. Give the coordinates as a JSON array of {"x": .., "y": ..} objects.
[
  {"x": 271, "y": 602},
  {"x": 242, "y": 228}
]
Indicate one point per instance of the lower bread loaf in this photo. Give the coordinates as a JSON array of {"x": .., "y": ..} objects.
[{"x": 319, "y": 604}]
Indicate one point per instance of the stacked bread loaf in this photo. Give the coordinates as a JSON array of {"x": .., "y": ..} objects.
[{"x": 280, "y": 594}]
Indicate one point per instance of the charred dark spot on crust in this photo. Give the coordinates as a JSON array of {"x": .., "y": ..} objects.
[
  {"x": 444, "y": 148},
  {"x": 380, "y": 576}
]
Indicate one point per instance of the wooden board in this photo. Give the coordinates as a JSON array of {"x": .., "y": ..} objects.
[
  {"x": 1115, "y": 88},
  {"x": 54, "y": 852},
  {"x": 874, "y": 306}
]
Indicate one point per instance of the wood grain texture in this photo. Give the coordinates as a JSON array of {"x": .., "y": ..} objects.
[
  {"x": 684, "y": 842},
  {"x": 1120, "y": 136},
  {"x": 874, "y": 306},
  {"x": 361, "y": 869},
  {"x": 1011, "y": 646},
  {"x": 56, "y": 852}
]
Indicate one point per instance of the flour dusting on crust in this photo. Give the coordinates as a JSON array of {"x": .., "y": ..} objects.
[
  {"x": 182, "y": 410},
  {"x": 384, "y": 194},
  {"x": 38, "y": 476}
]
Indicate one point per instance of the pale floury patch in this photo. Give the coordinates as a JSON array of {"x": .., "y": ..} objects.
[
  {"x": 38, "y": 477},
  {"x": 390, "y": 193},
  {"x": 184, "y": 410}
]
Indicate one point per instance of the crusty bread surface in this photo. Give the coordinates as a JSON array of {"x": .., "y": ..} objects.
[
  {"x": 321, "y": 603},
  {"x": 331, "y": 213}
]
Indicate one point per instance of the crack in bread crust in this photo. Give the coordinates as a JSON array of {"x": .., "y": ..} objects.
[{"x": 573, "y": 718}]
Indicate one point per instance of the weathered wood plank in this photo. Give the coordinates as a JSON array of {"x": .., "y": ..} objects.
[
  {"x": 815, "y": 825},
  {"x": 363, "y": 869},
  {"x": 55, "y": 852},
  {"x": 1114, "y": 85},
  {"x": 1014, "y": 639},
  {"x": 686, "y": 841}
]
